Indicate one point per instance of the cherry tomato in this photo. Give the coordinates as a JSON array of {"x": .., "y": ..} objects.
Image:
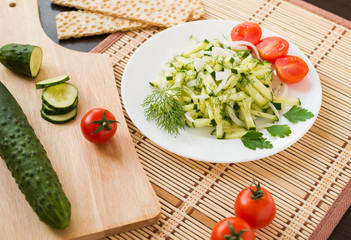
[
  {"x": 291, "y": 69},
  {"x": 271, "y": 48},
  {"x": 247, "y": 31},
  {"x": 256, "y": 206},
  {"x": 98, "y": 125},
  {"x": 232, "y": 226}
]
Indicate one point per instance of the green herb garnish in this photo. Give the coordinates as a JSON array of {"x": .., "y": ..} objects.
[
  {"x": 296, "y": 114},
  {"x": 279, "y": 130},
  {"x": 163, "y": 107},
  {"x": 253, "y": 140}
]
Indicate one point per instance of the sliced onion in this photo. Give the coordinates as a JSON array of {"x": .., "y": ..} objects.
[
  {"x": 191, "y": 83},
  {"x": 199, "y": 64},
  {"x": 274, "y": 109},
  {"x": 188, "y": 116},
  {"x": 276, "y": 89},
  {"x": 220, "y": 86},
  {"x": 223, "y": 75},
  {"x": 226, "y": 73},
  {"x": 233, "y": 117},
  {"x": 221, "y": 52},
  {"x": 239, "y": 47},
  {"x": 204, "y": 96},
  {"x": 237, "y": 44},
  {"x": 279, "y": 88},
  {"x": 284, "y": 91}
]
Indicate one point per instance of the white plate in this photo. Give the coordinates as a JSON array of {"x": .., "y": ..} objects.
[{"x": 198, "y": 144}]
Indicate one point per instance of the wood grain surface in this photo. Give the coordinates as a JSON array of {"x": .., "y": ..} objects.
[{"x": 106, "y": 184}]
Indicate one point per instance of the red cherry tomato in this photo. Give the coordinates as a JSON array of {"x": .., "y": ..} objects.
[
  {"x": 291, "y": 69},
  {"x": 235, "y": 227},
  {"x": 98, "y": 125},
  {"x": 247, "y": 31},
  {"x": 271, "y": 48},
  {"x": 256, "y": 206}
]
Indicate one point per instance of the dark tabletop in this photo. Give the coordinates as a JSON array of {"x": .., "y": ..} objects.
[{"x": 48, "y": 12}]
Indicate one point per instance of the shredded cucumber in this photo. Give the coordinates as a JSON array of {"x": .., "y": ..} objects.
[{"x": 222, "y": 88}]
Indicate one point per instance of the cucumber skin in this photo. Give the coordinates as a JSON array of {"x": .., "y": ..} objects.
[
  {"x": 41, "y": 85},
  {"x": 16, "y": 57},
  {"x": 29, "y": 164},
  {"x": 47, "y": 118}
]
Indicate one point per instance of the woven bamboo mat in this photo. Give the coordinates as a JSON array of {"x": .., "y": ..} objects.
[{"x": 308, "y": 181}]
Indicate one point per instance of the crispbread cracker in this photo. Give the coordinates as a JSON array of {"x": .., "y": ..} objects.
[
  {"x": 84, "y": 23},
  {"x": 164, "y": 13},
  {"x": 198, "y": 10}
]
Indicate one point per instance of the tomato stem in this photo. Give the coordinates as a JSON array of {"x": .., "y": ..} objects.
[
  {"x": 234, "y": 235},
  {"x": 103, "y": 123},
  {"x": 258, "y": 194}
]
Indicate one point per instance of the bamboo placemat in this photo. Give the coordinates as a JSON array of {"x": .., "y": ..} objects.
[{"x": 309, "y": 181}]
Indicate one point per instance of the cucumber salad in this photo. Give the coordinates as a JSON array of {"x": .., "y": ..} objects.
[{"x": 225, "y": 86}]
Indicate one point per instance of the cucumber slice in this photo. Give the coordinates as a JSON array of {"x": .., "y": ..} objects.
[
  {"x": 246, "y": 116},
  {"x": 60, "y": 97},
  {"x": 52, "y": 81},
  {"x": 199, "y": 46},
  {"x": 288, "y": 100},
  {"x": 50, "y": 111},
  {"x": 199, "y": 122},
  {"x": 22, "y": 58},
  {"x": 61, "y": 118}
]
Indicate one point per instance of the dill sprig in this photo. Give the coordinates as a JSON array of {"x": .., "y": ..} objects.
[{"x": 163, "y": 107}]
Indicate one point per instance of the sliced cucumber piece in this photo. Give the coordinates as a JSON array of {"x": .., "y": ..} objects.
[
  {"x": 50, "y": 111},
  {"x": 258, "y": 98},
  {"x": 261, "y": 88},
  {"x": 198, "y": 123},
  {"x": 52, "y": 81},
  {"x": 234, "y": 135},
  {"x": 288, "y": 100},
  {"x": 61, "y": 118},
  {"x": 264, "y": 115},
  {"x": 199, "y": 46},
  {"x": 61, "y": 96},
  {"x": 244, "y": 111}
]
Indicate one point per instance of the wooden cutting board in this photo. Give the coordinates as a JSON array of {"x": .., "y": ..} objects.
[{"x": 106, "y": 184}]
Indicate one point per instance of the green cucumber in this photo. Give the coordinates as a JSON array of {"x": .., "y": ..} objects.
[
  {"x": 60, "y": 100},
  {"x": 60, "y": 118},
  {"x": 61, "y": 96},
  {"x": 22, "y": 58},
  {"x": 50, "y": 111},
  {"x": 29, "y": 164},
  {"x": 52, "y": 81},
  {"x": 199, "y": 46}
]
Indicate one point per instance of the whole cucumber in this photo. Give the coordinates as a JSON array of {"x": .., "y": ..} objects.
[
  {"x": 29, "y": 164},
  {"x": 23, "y": 59}
]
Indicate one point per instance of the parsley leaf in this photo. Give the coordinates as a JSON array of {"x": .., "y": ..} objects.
[
  {"x": 253, "y": 140},
  {"x": 279, "y": 130},
  {"x": 296, "y": 114}
]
